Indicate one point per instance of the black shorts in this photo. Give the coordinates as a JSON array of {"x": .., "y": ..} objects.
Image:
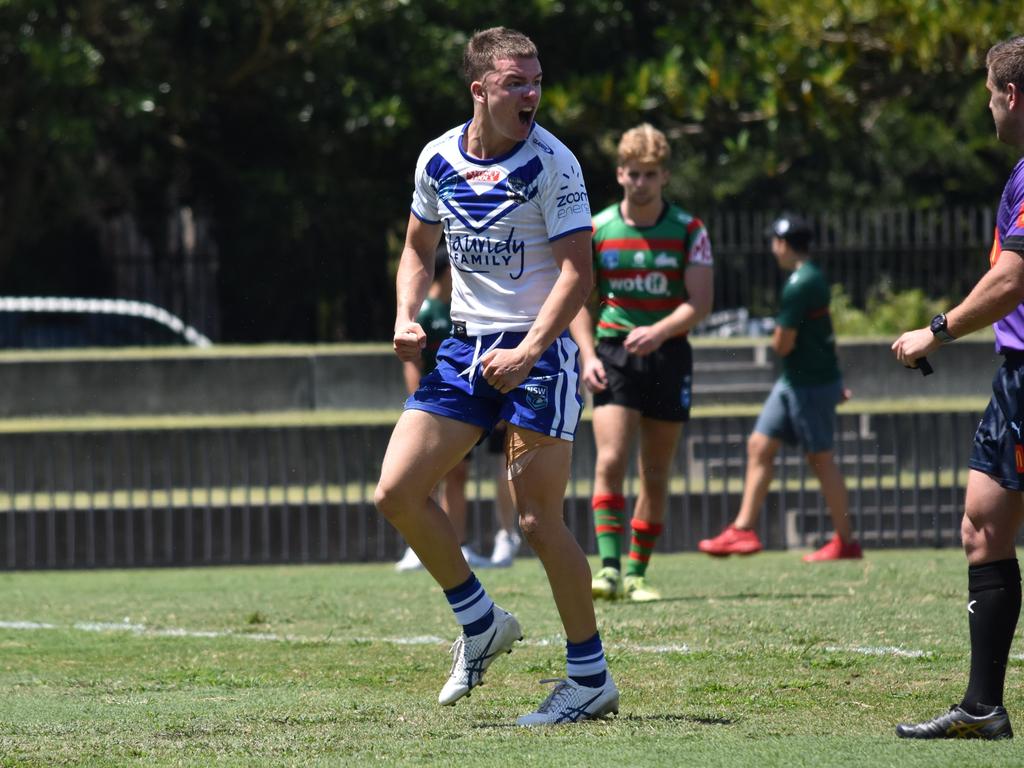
[
  {"x": 998, "y": 445},
  {"x": 496, "y": 438},
  {"x": 659, "y": 385}
]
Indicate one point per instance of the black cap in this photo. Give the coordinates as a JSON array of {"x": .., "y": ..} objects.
[{"x": 793, "y": 229}]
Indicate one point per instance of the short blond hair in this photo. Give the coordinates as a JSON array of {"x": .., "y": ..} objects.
[{"x": 644, "y": 144}]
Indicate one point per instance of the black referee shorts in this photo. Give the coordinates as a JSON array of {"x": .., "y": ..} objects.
[{"x": 998, "y": 445}]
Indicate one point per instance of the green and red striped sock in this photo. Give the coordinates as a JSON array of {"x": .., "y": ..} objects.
[
  {"x": 609, "y": 515},
  {"x": 645, "y": 536}
]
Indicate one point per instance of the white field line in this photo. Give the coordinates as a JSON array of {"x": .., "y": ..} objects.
[
  {"x": 26, "y": 625},
  {"x": 881, "y": 650},
  {"x": 141, "y": 630}
]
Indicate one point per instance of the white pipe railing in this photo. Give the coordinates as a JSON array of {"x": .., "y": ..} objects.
[{"x": 120, "y": 307}]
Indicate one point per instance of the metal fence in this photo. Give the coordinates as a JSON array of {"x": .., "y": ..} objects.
[
  {"x": 304, "y": 494},
  {"x": 177, "y": 269},
  {"x": 941, "y": 251}
]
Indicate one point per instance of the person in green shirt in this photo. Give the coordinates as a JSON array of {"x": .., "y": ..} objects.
[
  {"x": 655, "y": 282},
  {"x": 435, "y": 319},
  {"x": 801, "y": 408}
]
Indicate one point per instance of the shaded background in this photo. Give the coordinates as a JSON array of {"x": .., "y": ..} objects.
[{"x": 248, "y": 164}]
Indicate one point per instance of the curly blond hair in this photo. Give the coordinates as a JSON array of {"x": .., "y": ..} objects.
[{"x": 643, "y": 144}]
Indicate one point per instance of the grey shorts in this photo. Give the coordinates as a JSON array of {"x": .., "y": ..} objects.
[{"x": 803, "y": 416}]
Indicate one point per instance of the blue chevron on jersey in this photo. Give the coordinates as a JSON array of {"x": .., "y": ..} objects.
[
  {"x": 500, "y": 216},
  {"x": 479, "y": 210}
]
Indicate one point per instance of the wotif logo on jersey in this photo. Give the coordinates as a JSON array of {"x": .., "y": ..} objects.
[{"x": 654, "y": 283}]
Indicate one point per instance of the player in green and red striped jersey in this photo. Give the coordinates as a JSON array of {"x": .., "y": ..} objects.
[{"x": 653, "y": 266}]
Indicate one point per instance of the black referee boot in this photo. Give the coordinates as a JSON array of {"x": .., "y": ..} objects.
[{"x": 958, "y": 723}]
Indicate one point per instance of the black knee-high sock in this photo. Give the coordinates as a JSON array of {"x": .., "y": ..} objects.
[{"x": 993, "y": 609}]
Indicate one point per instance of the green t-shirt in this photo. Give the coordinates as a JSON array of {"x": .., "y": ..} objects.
[
  {"x": 805, "y": 307},
  {"x": 640, "y": 270},
  {"x": 435, "y": 319}
]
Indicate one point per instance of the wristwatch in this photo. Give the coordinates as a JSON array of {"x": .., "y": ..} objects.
[{"x": 938, "y": 327}]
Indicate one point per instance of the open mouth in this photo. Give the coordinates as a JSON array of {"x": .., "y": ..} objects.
[{"x": 526, "y": 116}]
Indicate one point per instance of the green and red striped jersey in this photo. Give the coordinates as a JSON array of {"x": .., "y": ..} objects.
[{"x": 640, "y": 270}]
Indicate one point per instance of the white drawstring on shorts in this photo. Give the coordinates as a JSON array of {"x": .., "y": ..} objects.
[{"x": 477, "y": 354}]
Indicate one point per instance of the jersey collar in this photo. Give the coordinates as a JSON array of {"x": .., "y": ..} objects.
[{"x": 490, "y": 160}]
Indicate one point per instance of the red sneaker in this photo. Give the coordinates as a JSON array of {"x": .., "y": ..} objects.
[
  {"x": 836, "y": 549},
  {"x": 731, "y": 541}
]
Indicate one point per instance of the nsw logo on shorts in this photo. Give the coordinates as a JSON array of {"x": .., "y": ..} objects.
[{"x": 537, "y": 396}]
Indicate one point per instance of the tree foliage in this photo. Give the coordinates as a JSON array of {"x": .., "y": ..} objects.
[{"x": 293, "y": 125}]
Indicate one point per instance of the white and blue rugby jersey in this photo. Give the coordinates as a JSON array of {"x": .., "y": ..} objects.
[{"x": 500, "y": 216}]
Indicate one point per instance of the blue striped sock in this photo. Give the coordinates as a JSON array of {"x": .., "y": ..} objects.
[
  {"x": 472, "y": 607},
  {"x": 585, "y": 662}
]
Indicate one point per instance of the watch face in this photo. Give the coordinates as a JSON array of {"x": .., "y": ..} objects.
[{"x": 938, "y": 323}]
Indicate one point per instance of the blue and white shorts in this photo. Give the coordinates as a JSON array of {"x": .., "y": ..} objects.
[{"x": 548, "y": 401}]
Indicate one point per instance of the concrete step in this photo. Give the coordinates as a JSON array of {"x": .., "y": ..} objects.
[
  {"x": 757, "y": 353},
  {"x": 713, "y": 374},
  {"x": 734, "y": 392}
]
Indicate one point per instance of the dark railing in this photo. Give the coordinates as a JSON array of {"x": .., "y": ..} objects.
[
  {"x": 940, "y": 251},
  {"x": 176, "y": 268},
  {"x": 304, "y": 494}
]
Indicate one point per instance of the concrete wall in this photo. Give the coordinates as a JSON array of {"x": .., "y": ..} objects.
[
  {"x": 209, "y": 382},
  {"x": 962, "y": 368},
  {"x": 198, "y": 383}
]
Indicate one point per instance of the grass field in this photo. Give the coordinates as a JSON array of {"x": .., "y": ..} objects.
[{"x": 762, "y": 661}]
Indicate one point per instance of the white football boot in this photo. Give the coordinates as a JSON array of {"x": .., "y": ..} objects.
[
  {"x": 471, "y": 656},
  {"x": 570, "y": 702}
]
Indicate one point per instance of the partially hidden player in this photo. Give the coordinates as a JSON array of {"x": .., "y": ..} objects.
[{"x": 434, "y": 318}]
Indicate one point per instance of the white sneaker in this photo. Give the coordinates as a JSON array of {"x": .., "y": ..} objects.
[
  {"x": 570, "y": 702},
  {"x": 473, "y": 559},
  {"x": 409, "y": 562},
  {"x": 471, "y": 656},
  {"x": 506, "y": 547}
]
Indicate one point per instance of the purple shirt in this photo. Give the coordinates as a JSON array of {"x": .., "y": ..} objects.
[{"x": 1009, "y": 236}]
